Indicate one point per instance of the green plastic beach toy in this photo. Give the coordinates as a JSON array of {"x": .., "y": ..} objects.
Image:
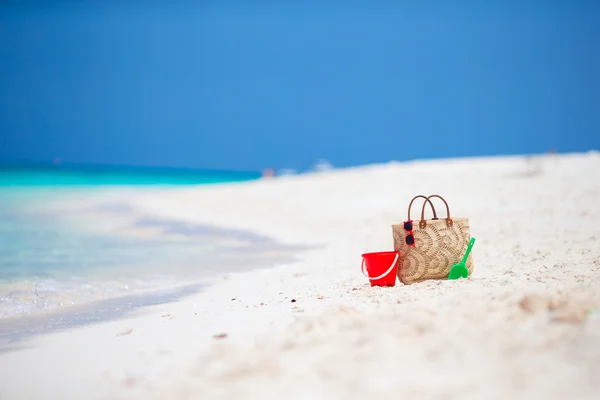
[{"x": 460, "y": 270}]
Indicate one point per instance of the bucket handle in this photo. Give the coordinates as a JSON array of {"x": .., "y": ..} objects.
[{"x": 362, "y": 268}]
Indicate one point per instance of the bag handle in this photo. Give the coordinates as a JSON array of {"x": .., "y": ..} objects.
[
  {"x": 362, "y": 268},
  {"x": 425, "y": 202},
  {"x": 423, "y": 224}
]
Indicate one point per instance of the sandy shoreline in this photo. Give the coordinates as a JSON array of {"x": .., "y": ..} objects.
[
  {"x": 94, "y": 250},
  {"x": 536, "y": 222}
]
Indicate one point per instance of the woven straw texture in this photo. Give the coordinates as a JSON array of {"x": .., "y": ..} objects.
[{"x": 438, "y": 246}]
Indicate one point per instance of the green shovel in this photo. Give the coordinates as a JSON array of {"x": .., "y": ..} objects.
[{"x": 460, "y": 270}]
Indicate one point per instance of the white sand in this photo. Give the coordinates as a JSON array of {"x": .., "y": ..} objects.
[{"x": 537, "y": 224}]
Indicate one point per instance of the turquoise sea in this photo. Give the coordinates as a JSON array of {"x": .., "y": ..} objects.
[
  {"x": 62, "y": 250},
  {"x": 92, "y": 175}
]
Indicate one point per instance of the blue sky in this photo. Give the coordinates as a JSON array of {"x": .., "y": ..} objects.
[{"x": 249, "y": 85}]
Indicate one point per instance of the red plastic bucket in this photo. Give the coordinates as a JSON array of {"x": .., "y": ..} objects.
[{"x": 381, "y": 267}]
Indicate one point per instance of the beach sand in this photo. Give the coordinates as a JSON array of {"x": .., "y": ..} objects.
[{"x": 521, "y": 327}]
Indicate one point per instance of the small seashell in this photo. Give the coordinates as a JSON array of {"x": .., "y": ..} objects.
[
  {"x": 534, "y": 303},
  {"x": 570, "y": 313},
  {"x": 222, "y": 335}
]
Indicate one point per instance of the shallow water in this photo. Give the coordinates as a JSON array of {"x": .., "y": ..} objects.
[{"x": 59, "y": 251}]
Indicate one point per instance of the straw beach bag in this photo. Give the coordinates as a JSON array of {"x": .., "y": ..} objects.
[{"x": 429, "y": 248}]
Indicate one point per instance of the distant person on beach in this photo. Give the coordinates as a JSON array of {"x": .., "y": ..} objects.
[{"x": 268, "y": 173}]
